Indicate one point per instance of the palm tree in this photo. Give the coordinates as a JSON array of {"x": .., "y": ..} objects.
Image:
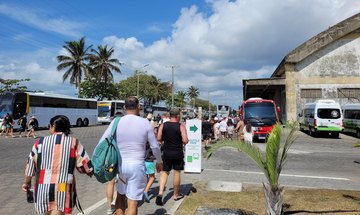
[
  {"x": 74, "y": 62},
  {"x": 271, "y": 163},
  {"x": 180, "y": 97},
  {"x": 102, "y": 63},
  {"x": 193, "y": 93}
]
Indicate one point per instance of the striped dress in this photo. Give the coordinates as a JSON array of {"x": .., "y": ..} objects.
[{"x": 52, "y": 161}]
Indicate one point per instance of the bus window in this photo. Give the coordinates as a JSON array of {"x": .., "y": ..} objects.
[
  {"x": 20, "y": 105},
  {"x": 6, "y": 103}
]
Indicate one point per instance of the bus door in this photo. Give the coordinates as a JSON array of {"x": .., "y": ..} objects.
[{"x": 21, "y": 105}]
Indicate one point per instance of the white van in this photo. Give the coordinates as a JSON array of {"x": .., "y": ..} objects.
[
  {"x": 352, "y": 118},
  {"x": 322, "y": 116}
]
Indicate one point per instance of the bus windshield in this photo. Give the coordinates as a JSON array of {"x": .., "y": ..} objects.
[
  {"x": 6, "y": 104},
  {"x": 103, "y": 111},
  {"x": 260, "y": 113}
]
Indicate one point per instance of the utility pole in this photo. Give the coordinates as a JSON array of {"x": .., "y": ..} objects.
[
  {"x": 209, "y": 102},
  {"x": 172, "y": 84}
]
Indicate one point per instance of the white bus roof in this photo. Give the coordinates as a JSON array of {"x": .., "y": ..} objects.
[
  {"x": 351, "y": 106},
  {"x": 53, "y": 95}
]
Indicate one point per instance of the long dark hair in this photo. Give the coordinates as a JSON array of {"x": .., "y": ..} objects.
[{"x": 61, "y": 124}]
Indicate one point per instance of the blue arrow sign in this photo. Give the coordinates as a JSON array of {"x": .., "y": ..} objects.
[{"x": 193, "y": 128}]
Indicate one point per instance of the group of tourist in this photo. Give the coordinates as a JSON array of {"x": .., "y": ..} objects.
[
  {"x": 221, "y": 128},
  {"x": 53, "y": 159},
  {"x": 26, "y": 126}
]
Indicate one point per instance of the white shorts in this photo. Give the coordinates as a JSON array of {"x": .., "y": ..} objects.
[{"x": 134, "y": 176}]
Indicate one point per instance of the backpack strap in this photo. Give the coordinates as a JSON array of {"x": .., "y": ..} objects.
[{"x": 113, "y": 136}]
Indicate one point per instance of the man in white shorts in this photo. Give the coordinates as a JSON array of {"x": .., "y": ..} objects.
[{"x": 132, "y": 134}]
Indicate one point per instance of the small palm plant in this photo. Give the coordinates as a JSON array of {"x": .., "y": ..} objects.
[{"x": 271, "y": 163}]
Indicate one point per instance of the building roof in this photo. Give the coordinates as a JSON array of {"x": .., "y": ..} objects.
[{"x": 319, "y": 41}]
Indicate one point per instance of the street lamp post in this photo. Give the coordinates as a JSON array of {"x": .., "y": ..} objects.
[
  {"x": 138, "y": 79},
  {"x": 172, "y": 84}
]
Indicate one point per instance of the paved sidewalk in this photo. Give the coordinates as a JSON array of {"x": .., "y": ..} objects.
[{"x": 170, "y": 206}]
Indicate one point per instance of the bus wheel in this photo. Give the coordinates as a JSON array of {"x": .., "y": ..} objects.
[
  {"x": 358, "y": 133},
  {"x": 79, "y": 123},
  {"x": 86, "y": 122}
]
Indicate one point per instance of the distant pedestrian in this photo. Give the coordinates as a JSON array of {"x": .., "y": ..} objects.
[
  {"x": 52, "y": 162},
  {"x": 240, "y": 128},
  {"x": 206, "y": 131},
  {"x": 9, "y": 125},
  {"x": 32, "y": 123},
  {"x": 174, "y": 137},
  {"x": 22, "y": 122},
  {"x": 223, "y": 127},
  {"x": 230, "y": 130},
  {"x": 3, "y": 127},
  {"x": 248, "y": 133},
  {"x": 149, "y": 170},
  {"x": 216, "y": 129}
]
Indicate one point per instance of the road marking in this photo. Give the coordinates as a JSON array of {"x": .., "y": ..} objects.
[
  {"x": 286, "y": 175},
  {"x": 94, "y": 207}
]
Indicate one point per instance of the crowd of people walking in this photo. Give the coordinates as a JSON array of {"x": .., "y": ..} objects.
[{"x": 150, "y": 145}]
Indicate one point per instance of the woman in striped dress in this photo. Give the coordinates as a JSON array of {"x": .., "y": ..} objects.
[{"x": 52, "y": 161}]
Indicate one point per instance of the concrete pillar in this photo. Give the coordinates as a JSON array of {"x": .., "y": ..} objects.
[{"x": 290, "y": 83}]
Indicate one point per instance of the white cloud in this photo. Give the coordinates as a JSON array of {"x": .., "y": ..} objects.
[
  {"x": 237, "y": 40},
  {"x": 212, "y": 50},
  {"x": 31, "y": 18}
]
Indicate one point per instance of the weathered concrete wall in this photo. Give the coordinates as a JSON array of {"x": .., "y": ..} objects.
[
  {"x": 336, "y": 66},
  {"x": 340, "y": 58}
]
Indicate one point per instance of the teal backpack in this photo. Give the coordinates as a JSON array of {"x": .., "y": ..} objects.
[{"x": 106, "y": 157}]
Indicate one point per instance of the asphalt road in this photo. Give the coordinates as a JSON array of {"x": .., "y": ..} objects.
[{"x": 312, "y": 162}]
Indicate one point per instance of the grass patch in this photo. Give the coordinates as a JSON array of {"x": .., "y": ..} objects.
[{"x": 297, "y": 201}]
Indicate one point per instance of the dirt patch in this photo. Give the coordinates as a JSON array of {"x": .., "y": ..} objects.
[{"x": 297, "y": 201}]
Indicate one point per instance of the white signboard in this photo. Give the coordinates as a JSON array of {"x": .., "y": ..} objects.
[{"x": 193, "y": 148}]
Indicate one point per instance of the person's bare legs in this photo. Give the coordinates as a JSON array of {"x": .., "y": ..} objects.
[
  {"x": 176, "y": 183},
  {"x": 132, "y": 207},
  {"x": 120, "y": 204},
  {"x": 110, "y": 192},
  {"x": 150, "y": 181},
  {"x": 163, "y": 180}
]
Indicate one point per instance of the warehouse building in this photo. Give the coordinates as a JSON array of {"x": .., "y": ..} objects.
[{"x": 326, "y": 66}]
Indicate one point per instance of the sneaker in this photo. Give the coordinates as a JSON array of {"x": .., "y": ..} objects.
[
  {"x": 146, "y": 197},
  {"x": 111, "y": 210},
  {"x": 159, "y": 201},
  {"x": 34, "y": 137}
]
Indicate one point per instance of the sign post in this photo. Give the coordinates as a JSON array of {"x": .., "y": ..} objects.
[{"x": 193, "y": 148}]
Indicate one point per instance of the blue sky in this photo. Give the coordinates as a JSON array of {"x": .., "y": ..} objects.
[{"x": 214, "y": 44}]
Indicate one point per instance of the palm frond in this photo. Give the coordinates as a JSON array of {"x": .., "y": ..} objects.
[
  {"x": 290, "y": 139},
  {"x": 219, "y": 145},
  {"x": 272, "y": 152}
]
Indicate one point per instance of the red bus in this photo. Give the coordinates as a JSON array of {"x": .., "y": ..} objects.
[{"x": 262, "y": 114}]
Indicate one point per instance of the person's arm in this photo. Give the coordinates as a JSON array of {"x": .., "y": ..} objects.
[
  {"x": 155, "y": 148},
  {"x": 30, "y": 168},
  {"x": 184, "y": 137},
  {"x": 83, "y": 162},
  {"x": 159, "y": 133}
]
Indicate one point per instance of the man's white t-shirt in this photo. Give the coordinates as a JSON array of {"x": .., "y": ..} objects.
[{"x": 132, "y": 133}]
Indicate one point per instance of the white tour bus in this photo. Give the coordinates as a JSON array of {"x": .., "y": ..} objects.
[
  {"x": 108, "y": 109},
  {"x": 81, "y": 112},
  {"x": 322, "y": 116},
  {"x": 159, "y": 110},
  {"x": 352, "y": 118}
]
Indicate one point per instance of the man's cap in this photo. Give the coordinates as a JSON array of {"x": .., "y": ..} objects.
[{"x": 174, "y": 112}]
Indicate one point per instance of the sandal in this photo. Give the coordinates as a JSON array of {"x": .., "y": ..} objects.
[
  {"x": 180, "y": 196},
  {"x": 159, "y": 201}
]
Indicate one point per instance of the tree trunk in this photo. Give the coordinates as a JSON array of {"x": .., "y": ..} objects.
[{"x": 274, "y": 200}]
